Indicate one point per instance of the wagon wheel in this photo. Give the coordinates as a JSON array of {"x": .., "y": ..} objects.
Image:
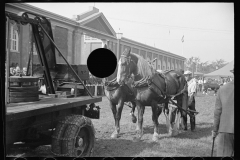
[{"x": 78, "y": 137}]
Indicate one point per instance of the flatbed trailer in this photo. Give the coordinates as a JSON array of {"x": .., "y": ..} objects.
[
  {"x": 63, "y": 123},
  {"x": 16, "y": 111}
]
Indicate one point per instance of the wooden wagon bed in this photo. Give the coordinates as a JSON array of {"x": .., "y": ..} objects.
[{"x": 45, "y": 105}]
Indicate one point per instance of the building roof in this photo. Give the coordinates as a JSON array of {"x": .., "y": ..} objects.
[
  {"x": 95, "y": 20},
  {"x": 222, "y": 72}
]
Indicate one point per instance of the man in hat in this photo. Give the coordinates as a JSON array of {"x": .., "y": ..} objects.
[
  {"x": 192, "y": 90},
  {"x": 224, "y": 120}
]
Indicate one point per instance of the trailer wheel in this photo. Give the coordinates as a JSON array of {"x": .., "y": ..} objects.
[
  {"x": 58, "y": 134},
  {"x": 77, "y": 138}
]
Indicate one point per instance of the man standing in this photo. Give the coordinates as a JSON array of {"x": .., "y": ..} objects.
[
  {"x": 224, "y": 120},
  {"x": 192, "y": 89}
]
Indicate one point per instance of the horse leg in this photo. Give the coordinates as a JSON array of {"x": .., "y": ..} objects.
[
  {"x": 166, "y": 113},
  {"x": 117, "y": 111},
  {"x": 156, "y": 111},
  {"x": 185, "y": 107},
  {"x": 172, "y": 117},
  {"x": 134, "y": 118},
  {"x": 139, "y": 129}
]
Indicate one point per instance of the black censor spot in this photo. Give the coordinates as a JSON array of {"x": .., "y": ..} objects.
[{"x": 102, "y": 62}]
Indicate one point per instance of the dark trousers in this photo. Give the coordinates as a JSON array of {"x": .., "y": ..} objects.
[
  {"x": 192, "y": 119},
  {"x": 225, "y": 146}
]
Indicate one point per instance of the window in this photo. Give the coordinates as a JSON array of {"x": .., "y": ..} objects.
[{"x": 14, "y": 39}]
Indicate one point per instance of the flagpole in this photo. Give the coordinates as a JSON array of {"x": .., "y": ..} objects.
[
  {"x": 169, "y": 41},
  {"x": 182, "y": 48},
  {"x": 183, "y": 45}
]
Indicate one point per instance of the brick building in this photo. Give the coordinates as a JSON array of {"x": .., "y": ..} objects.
[{"x": 78, "y": 36}]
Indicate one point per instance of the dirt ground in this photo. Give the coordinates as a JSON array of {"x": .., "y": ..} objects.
[{"x": 186, "y": 144}]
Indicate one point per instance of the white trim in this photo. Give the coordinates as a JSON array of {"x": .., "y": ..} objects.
[
  {"x": 94, "y": 16},
  {"x": 98, "y": 34}
]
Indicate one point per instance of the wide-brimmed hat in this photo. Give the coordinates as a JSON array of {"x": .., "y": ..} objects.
[{"x": 187, "y": 72}]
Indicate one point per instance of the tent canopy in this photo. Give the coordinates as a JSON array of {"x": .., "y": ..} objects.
[
  {"x": 222, "y": 72},
  {"x": 198, "y": 74}
]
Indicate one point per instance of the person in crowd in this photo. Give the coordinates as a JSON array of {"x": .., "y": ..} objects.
[
  {"x": 224, "y": 81},
  {"x": 17, "y": 71},
  {"x": 192, "y": 87},
  {"x": 24, "y": 71},
  {"x": 12, "y": 71},
  {"x": 223, "y": 124},
  {"x": 195, "y": 78}
]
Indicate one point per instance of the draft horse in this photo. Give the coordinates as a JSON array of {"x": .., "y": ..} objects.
[
  {"x": 153, "y": 88},
  {"x": 118, "y": 95}
]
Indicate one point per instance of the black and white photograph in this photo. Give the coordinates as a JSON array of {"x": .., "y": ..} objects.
[{"x": 118, "y": 79}]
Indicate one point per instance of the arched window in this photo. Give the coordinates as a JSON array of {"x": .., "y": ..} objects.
[{"x": 14, "y": 39}]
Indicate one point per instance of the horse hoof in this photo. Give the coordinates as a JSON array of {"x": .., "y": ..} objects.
[
  {"x": 114, "y": 135},
  {"x": 134, "y": 119},
  {"x": 173, "y": 133}
]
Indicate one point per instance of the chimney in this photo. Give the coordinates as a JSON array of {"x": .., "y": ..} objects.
[
  {"x": 74, "y": 17},
  {"x": 92, "y": 10}
]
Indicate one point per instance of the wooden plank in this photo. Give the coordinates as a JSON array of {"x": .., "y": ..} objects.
[
  {"x": 31, "y": 89},
  {"x": 46, "y": 105},
  {"x": 23, "y": 79},
  {"x": 23, "y": 99},
  {"x": 23, "y": 94}
]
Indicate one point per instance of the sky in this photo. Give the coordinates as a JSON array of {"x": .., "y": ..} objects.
[{"x": 206, "y": 28}]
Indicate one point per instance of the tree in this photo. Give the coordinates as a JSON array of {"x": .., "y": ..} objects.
[
  {"x": 194, "y": 64},
  {"x": 219, "y": 63}
]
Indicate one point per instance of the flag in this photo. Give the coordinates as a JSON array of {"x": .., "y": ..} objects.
[{"x": 183, "y": 38}]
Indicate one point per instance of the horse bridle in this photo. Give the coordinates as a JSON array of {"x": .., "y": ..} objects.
[{"x": 128, "y": 62}]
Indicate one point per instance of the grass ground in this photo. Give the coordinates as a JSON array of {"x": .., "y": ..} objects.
[{"x": 186, "y": 144}]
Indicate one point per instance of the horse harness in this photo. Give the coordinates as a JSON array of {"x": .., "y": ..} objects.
[
  {"x": 113, "y": 85},
  {"x": 147, "y": 81}
]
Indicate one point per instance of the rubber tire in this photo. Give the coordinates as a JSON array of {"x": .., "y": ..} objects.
[
  {"x": 68, "y": 130},
  {"x": 59, "y": 132},
  {"x": 86, "y": 126}
]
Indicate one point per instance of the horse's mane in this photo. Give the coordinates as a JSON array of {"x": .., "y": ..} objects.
[{"x": 144, "y": 69}]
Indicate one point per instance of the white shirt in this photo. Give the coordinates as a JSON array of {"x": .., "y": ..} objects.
[{"x": 192, "y": 87}]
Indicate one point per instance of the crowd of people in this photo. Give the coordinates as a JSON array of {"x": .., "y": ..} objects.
[
  {"x": 16, "y": 71},
  {"x": 200, "y": 81}
]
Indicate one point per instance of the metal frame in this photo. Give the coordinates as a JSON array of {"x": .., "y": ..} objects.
[{"x": 36, "y": 22}]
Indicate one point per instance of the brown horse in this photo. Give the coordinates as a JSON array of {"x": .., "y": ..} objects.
[
  {"x": 117, "y": 96},
  {"x": 153, "y": 88}
]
